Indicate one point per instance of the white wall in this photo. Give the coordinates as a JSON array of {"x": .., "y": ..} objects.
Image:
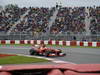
[{"x": 49, "y": 3}]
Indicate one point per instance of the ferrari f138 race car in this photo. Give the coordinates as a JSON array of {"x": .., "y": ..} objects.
[{"x": 47, "y": 52}]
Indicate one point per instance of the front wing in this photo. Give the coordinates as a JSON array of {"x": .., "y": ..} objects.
[{"x": 60, "y": 54}]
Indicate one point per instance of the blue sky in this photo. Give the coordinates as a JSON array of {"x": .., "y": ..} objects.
[{"x": 49, "y": 3}]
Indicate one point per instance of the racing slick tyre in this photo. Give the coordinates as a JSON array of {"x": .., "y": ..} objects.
[
  {"x": 47, "y": 53},
  {"x": 32, "y": 52}
]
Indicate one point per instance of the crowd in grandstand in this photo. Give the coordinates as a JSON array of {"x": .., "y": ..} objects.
[
  {"x": 35, "y": 21},
  {"x": 69, "y": 20},
  {"x": 95, "y": 20},
  {"x": 9, "y": 16}
]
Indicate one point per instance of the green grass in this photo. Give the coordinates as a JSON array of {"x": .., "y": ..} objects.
[{"x": 20, "y": 60}]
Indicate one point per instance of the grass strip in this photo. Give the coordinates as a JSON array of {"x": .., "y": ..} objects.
[
  {"x": 20, "y": 60},
  {"x": 49, "y": 46}
]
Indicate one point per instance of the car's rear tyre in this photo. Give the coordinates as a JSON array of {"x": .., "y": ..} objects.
[
  {"x": 32, "y": 52},
  {"x": 47, "y": 53}
]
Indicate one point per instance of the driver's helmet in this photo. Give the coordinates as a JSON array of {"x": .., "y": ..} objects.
[{"x": 37, "y": 46}]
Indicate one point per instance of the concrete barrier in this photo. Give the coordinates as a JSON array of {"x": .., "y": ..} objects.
[
  {"x": 58, "y": 69},
  {"x": 52, "y": 42}
]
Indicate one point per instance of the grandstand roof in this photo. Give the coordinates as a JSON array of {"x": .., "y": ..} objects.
[{"x": 50, "y": 3}]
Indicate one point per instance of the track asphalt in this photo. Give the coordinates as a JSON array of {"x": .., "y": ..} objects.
[{"x": 74, "y": 55}]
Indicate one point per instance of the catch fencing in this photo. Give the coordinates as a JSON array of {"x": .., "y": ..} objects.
[{"x": 65, "y": 37}]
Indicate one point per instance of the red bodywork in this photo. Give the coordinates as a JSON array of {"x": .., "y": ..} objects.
[{"x": 53, "y": 52}]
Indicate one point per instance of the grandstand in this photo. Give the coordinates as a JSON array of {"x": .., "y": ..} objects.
[{"x": 58, "y": 22}]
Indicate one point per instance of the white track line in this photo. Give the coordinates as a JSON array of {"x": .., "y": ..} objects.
[
  {"x": 53, "y": 60},
  {"x": 63, "y": 62},
  {"x": 36, "y": 57},
  {"x": 0, "y": 67}
]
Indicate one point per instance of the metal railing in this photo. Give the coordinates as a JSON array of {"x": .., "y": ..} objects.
[{"x": 66, "y": 37}]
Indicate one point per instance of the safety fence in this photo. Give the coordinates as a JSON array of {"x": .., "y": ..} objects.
[
  {"x": 66, "y": 37},
  {"x": 58, "y": 69},
  {"x": 52, "y": 42}
]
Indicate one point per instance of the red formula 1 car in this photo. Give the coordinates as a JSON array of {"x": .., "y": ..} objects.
[{"x": 47, "y": 52}]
